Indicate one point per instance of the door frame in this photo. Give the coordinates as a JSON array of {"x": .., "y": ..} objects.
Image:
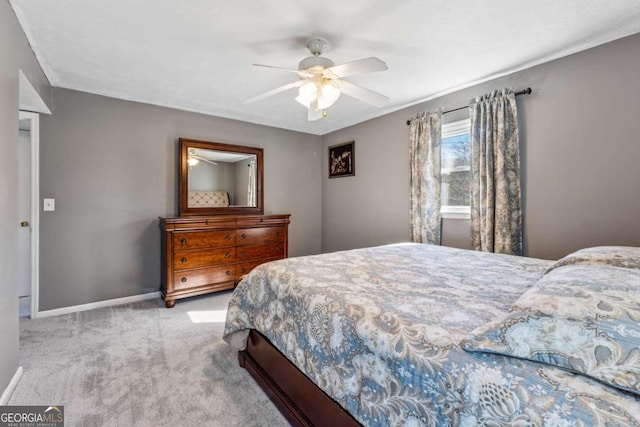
[{"x": 34, "y": 219}]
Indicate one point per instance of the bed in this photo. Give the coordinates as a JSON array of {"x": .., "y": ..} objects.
[{"x": 425, "y": 335}]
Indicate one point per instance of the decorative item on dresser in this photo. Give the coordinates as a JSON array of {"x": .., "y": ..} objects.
[{"x": 207, "y": 254}]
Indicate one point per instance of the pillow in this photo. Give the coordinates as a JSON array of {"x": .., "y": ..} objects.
[
  {"x": 615, "y": 256},
  {"x": 585, "y": 319}
]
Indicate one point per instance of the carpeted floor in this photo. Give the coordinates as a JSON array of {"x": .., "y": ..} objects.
[{"x": 141, "y": 365}]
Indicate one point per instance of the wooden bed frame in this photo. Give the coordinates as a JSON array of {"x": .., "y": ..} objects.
[{"x": 301, "y": 401}]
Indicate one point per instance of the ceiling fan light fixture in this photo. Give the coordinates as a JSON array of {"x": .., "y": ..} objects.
[
  {"x": 307, "y": 93},
  {"x": 322, "y": 93},
  {"x": 193, "y": 161},
  {"x": 329, "y": 94}
]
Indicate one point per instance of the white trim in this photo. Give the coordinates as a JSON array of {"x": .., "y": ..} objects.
[
  {"x": 34, "y": 219},
  {"x": 466, "y": 168},
  {"x": 6, "y": 395},
  {"x": 99, "y": 304},
  {"x": 30, "y": 99},
  {"x": 455, "y": 212}
]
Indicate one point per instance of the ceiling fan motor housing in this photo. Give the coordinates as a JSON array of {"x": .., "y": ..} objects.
[{"x": 315, "y": 61}]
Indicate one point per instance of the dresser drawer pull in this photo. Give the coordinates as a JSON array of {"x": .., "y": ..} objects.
[
  {"x": 183, "y": 241},
  {"x": 183, "y": 260},
  {"x": 243, "y": 253},
  {"x": 184, "y": 279},
  {"x": 228, "y": 273},
  {"x": 227, "y": 255},
  {"x": 228, "y": 237},
  {"x": 277, "y": 249},
  {"x": 277, "y": 233},
  {"x": 243, "y": 236}
]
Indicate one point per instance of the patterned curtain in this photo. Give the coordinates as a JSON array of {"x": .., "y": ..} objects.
[
  {"x": 424, "y": 152},
  {"x": 496, "y": 217},
  {"x": 251, "y": 189}
]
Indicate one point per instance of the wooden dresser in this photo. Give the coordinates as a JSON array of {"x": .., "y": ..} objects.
[{"x": 208, "y": 254}]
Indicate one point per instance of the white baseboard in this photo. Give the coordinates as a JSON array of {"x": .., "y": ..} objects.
[
  {"x": 6, "y": 395},
  {"x": 99, "y": 304}
]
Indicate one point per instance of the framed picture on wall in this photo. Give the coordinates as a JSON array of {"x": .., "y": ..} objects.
[{"x": 342, "y": 160}]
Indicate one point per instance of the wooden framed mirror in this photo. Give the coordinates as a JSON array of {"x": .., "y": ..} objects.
[{"x": 218, "y": 178}]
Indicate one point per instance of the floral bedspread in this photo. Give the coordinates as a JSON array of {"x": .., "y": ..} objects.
[{"x": 379, "y": 330}]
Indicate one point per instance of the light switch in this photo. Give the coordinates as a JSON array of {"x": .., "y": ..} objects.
[{"x": 49, "y": 205}]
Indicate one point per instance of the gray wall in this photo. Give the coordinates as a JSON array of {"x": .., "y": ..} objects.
[
  {"x": 580, "y": 160},
  {"x": 112, "y": 167},
  {"x": 207, "y": 177},
  {"x": 15, "y": 54}
]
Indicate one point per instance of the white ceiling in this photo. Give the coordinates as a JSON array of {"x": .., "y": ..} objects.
[
  {"x": 196, "y": 55},
  {"x": 221, "y": 156}
]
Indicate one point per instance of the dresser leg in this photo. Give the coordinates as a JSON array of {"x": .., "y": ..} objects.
[{"x": 170, "y": 303}]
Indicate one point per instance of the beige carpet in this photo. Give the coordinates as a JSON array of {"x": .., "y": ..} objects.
[{"x": 141, "y": 365}]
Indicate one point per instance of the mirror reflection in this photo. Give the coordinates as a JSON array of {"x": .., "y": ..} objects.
[{"x": 220, "y": 179}]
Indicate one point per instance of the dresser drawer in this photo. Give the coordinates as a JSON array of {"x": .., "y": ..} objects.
[
  {"x": 204, "y": 276},
  {"x": 249, "y": 253},
  {"x": 203, "y": 239},
  {"x": 251, "y": 236},
  {"x": 262, "y": 221},
  {"x": 245, "y": 267},
  {"x": 210, "y": 257}
]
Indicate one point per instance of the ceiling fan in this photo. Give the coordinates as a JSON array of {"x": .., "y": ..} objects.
[
  {"x": 320, "y": 81},
  {"x": 193, "y": 158}
]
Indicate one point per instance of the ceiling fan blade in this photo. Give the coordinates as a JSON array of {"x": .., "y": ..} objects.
[
  {"x": 363, "y": 94},
  {"x": 204, "y": 159},
  {"x": 361, "y": 66},
  {"x": 313, "y": 112},
  {"x": 274, "y": 91},
  {"x": 303, "y": 74}
]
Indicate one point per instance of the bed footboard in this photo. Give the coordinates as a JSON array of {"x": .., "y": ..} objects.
[{"x": 297, "y": 397}]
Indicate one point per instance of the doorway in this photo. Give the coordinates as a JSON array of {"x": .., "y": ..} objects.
[
  {"x": 28, "y": 211},
  {"x": 30, "y": 104}
]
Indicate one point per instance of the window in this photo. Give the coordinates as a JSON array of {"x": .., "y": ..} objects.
[{"x": 456, "y": 169}]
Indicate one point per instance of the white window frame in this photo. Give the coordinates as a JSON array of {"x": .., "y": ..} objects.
[{"x": 456, "y": 128}]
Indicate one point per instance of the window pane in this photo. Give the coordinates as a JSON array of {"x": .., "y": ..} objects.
[
  {"x": 455, "y": 151},
  {"x": 455, "y": 189},
  {"x": 456, "y": 175}
]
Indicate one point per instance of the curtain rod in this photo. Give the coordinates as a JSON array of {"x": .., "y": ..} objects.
[{"x": 526, "y": 91}]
